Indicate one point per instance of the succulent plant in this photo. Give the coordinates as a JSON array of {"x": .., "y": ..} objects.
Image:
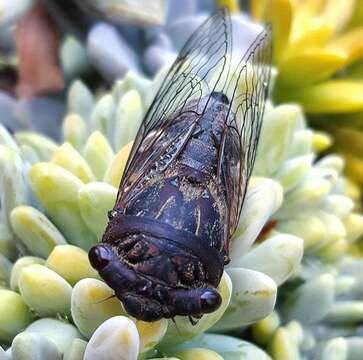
[
  {"x": 318, "y": 316},
  {"x": 54, "y": 203},
  {"x": 318, "y": 52}
]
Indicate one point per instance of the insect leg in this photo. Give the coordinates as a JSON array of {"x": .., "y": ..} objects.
[
  {"x": 142, "y": 308},
  {"x": 194, "y": 302}
]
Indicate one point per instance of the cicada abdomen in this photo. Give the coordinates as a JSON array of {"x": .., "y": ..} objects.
[{"x": 166, "y": 243}]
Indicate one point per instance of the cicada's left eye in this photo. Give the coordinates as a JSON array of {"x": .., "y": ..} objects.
[{"x": 100, "y": 256}]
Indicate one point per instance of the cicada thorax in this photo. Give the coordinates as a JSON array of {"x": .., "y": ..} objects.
[{"x": 173, "y": 232}]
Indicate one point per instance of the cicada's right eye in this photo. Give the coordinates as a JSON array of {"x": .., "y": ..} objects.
[{"x": 210, "y": 301}]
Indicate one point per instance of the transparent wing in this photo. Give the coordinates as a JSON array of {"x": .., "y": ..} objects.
[
  {"x": 247, "y": 91},
  {"x": 201, "y": 67}
]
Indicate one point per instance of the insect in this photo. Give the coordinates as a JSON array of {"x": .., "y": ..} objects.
[{"x": 180, "y": 198}]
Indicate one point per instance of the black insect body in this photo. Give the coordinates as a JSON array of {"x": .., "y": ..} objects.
[{"x": 180, "y": 198}]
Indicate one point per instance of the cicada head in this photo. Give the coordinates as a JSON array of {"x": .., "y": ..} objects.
[{"x": 154, "y": 278}]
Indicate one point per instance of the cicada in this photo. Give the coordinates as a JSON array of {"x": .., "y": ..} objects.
[{"x": 181, "y": 194}]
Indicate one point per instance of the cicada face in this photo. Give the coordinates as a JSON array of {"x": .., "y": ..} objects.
[{"x": 166, "y": 244}]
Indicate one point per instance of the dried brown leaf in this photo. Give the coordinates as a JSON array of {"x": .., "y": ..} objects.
[{"x": 37, "y": 41}]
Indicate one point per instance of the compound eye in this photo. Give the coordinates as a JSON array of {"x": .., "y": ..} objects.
[
  {"x": 100, "y": 256},
  {"x": 210, "y": 301}
]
